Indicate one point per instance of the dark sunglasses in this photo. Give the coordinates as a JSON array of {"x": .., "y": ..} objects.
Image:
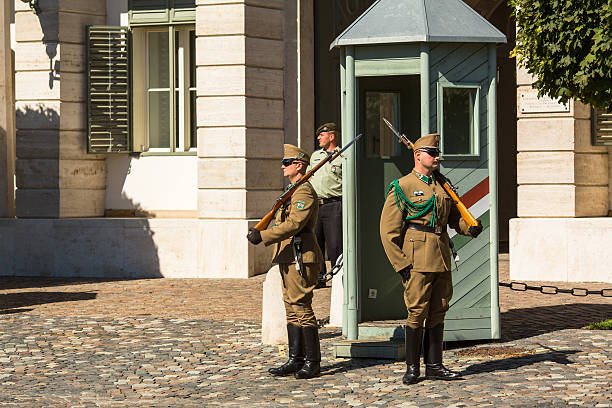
[
  {"x": 288, "y": 162},
  {"x": 432, "y": 151}
]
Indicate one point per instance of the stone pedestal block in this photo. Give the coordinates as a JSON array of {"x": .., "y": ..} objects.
[
  {"x": 273, "y": 317},
  {"x": 561, "y": 249}
]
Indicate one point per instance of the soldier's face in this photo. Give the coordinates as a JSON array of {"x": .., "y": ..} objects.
[
  {"x": 325, "y": 139},
  {"x": 428, "y": 161},
  {"x": 293, "y": 169}
]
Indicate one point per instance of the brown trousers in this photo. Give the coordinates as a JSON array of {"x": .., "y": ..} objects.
[
  {"x": 297, "y": 293},
  {"x": 427, "y": 296}
]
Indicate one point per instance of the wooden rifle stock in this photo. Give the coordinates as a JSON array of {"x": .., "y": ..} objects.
[
  {"x": 265, "y": 221},
  {"x": 469, "y": 219}
]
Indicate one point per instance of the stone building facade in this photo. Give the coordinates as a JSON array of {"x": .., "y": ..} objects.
[{"x": 258, "y": 73}]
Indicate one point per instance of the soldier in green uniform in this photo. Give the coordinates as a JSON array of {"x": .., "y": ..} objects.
[
  {"x": 327, "y": 182},
  {"x": 299, "y": 258},
  {"x": 413, "y": 231}
]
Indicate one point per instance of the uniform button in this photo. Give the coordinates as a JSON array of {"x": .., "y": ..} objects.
[{"x": 411, "y": 240}]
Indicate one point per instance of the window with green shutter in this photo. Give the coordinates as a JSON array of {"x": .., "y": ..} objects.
[
  {"x": 108, "y": 96},
  {"x": 601, "y": 122}
]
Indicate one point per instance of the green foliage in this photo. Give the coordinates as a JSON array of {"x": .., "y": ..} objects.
[
  {"x": 567, "y": 45},
  {"x": 603, "y": 325}
]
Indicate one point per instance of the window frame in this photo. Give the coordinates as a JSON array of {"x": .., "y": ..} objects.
[
  {"x": 179, "y": 86},
  {"x": 475, "y": 139}
]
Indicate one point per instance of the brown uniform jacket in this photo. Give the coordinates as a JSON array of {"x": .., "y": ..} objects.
[
  {"x": 425, "y": 251},
  {"x": 297, "y": 217}
]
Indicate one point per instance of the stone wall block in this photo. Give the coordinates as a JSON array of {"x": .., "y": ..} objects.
[
  {"x": 222, "y": 142},
  {"x": 545, "y": 134},
  {"x": 264, "y": 174},
  {"x": 523, "y": 77},
  {"x": 265, "y": 143},
  {"x": 264, "y": 22},
  {"x": 37, "y": 115},
  {"x": 221, "y": 173},
  {"x": 220, "y": 19},
  {"x": 591, "y": 201},
  {"x": 36, "y": 56},
  {"x": 73, "y": 116},
  {"x": 221, "y": 80},
  {"x": 75, "y": 203},
  {"x": 37, "y": 173},
  {"x": 240, "y": 203},
  {"x": 37, "y": 203},
  {"x": 583, "y": 141},
  {"x": 221, "y": 111},
  {"x": 72, "y": 26},
  {"x": 82, "y": 174},
  {"x": 29, "y": 26},
  {"x": 591, "y": 169},
  {"x": 545, "y": 168},
  {"x": 264, "y": 82},
  {"x": 221, "y": 50},
  {"x": 546, "y": 201},
  {"x": 264, "y": 113},
  {"x": 38, "y": 144},
  {"x": 38, "y": 85},
  {"x": 73, "y": 145},
  {"x": 264, "y": 53}
]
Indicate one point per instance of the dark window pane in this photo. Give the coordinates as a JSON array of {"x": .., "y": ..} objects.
[
  {"x": 193, "y": 127},
  {"x": 159, "y": 75},
  {"x": 192, "y": 59},
  {"x": 458, "y": 120},
  {"x": 159, "y": 119},
  {"x": 380, "y": 139}
]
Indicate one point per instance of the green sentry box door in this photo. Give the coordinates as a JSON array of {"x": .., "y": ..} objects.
[{"x": 381, "y": 159}]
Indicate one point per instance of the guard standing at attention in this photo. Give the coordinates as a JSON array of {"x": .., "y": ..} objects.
[
  {"x": 299, "y": 258},
  {"x": 327, "y": 182},
  {"x": 413, "y": 231}
]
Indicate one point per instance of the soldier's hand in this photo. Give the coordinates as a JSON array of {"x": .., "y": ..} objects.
[
  {"x": 405, "y": 273},
  {"x": 254, "y": 236},
  {"x": 475, "y": 230}
]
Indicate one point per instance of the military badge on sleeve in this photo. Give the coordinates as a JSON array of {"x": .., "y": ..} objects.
[{"x": 300, "y": 205}]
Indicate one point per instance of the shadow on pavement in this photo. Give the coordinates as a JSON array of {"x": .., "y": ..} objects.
[
  {"x": 511, "y": 363},
  {"x": 8, "y": 283},
  {"x": 352, "y": 364},
  {"x": 528, "y": 322},
  {"x": 19, "y": 300}
]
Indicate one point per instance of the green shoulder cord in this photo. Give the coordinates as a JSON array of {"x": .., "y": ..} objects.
[{"x": 410, "y": 209}]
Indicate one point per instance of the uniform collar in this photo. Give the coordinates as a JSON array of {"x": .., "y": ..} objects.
[{"x": 423, "y": 178}]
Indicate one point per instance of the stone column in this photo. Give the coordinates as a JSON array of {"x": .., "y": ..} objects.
[
  {"x": 559, "y": 172},
  {"x": 56, "y": 177},
  {"x": 240, "y": 61},
  {"x": 7, "y": 116},
  {"x": 562, "y": 233}
]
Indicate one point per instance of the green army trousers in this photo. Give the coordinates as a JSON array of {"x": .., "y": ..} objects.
[
  {"x": 297, "y": 293},
  {"x": 427, "y": 296}
]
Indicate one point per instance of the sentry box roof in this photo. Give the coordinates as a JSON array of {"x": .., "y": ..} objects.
[{"x": 409, "y": 21}]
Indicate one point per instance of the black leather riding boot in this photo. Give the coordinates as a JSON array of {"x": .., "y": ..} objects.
[
  {"x": 413, "y": 340},
  {"x": 312, "y": 348},
  {"x": 432, "y": 351},
  {"x": 296, "y": 353}
]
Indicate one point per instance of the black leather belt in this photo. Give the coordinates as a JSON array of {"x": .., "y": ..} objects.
[
  {"x": 329, "y": 200},
  {"x": 419, "y": 227}
]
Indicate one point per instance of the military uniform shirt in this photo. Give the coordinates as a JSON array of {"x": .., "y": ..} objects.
[
  {"x": 299, "y": 216},
  {"x": 425, "y": 251},
  {"x": 327, "y": 181}
]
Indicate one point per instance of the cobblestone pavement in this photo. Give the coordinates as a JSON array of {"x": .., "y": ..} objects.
[{"x": 184, "y": 343}]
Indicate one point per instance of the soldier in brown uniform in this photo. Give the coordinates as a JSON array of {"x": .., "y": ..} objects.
[
  {"x": 299, "y": 258},
  {"x": 413, "y": 231}
]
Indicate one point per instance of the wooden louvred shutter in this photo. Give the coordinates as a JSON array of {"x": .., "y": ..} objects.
[
  {"x": 602, "y": 127},
  {"x": 108, "y": 89}
]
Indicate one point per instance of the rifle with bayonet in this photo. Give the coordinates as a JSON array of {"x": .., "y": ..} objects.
[
  {"x": 265, "y": 221},
  {"x": 469, "y": 219}
]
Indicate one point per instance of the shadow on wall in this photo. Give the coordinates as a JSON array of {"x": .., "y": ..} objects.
[{"x": 43, "y": 245}]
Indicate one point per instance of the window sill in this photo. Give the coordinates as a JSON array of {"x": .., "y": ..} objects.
[{"x": 194, "y": 153}]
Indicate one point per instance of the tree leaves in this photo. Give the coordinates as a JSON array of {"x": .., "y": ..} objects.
[{"x": 567, "y": 45}]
